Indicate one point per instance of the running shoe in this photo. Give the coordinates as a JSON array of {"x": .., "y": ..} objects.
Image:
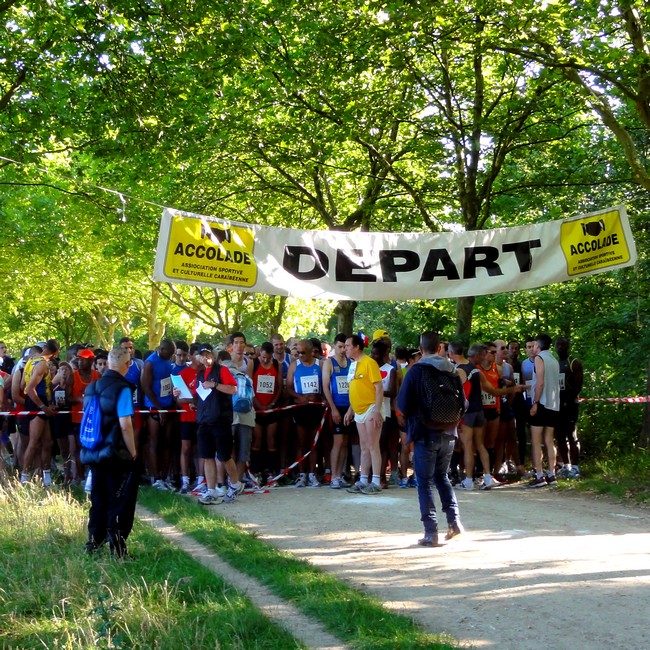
[
  {"x": 335, "y": 484},
  {"x": 159, "y": 485},
  {"x": 209, "y": 499},
  {"x": 574, "y": 472},
  {"x": 301, "y": 481},
  {"x": 466, "y": 484},
  {"x": 200, "y": 489},
  {"x": 551, "y": 480},
  {"x": 233, "y": 492},
  {"x": 356, "y": 487},
  {"x": 403, "y": 482},
  {"x": 488, "y": 483},
  {"x": 312, "y": 481},
  {"x": 371, "y": 488},
  {"x": 538, "y": 482}
]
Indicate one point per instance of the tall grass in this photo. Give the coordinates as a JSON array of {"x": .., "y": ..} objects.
[{"x": 52, "y": 595}]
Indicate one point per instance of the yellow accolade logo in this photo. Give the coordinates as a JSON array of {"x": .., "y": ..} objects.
[
  {"x": 594, "y": 243},
  {"x": 210, "y": 251}
]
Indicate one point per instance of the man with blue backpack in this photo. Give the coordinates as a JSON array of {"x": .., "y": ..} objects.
[
  {"x": 108, "y": 447},
  {"x": 432, "y": 402}
]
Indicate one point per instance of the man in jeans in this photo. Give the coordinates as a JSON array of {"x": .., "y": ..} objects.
[{"x": 433, "y": 447}]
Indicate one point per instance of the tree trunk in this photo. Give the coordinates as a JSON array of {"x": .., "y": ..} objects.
[
  {"x": 344, "y": 312},
  {"x": 464, "y": 310},
  {"x": 155, "y": 327},
  {"x": 644, "y": 437}
]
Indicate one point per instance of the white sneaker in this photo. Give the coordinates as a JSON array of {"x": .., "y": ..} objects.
[
  {"x": 313, "y": 481},
  {"x": 159, "y": 485},
  {"x": 209, "y": 499},
  {"x": 466, "y": 484},
  {"x": 200, "y": 489},
  {"x": 335, "y": 483},
  {"x": 301, "y": 481},
  {"x": 488, "y": 482}
]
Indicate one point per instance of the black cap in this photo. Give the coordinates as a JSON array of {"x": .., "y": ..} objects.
[{"x": 205, "y": 347}]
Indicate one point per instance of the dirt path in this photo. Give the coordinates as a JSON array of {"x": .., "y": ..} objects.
[
  {"x": 309, "y": 632},
  {"x": 535, "y": 566}
]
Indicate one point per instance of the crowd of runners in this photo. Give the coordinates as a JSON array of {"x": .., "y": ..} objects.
[{"x": 300, "y": 428}]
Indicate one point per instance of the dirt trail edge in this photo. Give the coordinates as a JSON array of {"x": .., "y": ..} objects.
[
  {"x": 309, "y": 632},
  {"x": 534, "y": 567}
]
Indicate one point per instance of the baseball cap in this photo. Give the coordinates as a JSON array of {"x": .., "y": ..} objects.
[
  {"x": 86, "y": 353},
  {"x": 379, "y": 334},
  {"x": 204, "y": 347}
]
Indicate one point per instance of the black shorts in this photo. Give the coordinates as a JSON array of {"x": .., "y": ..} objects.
[
  {"x": 567, "y": 418},
  {"x": 308, "y": 416},
  {"x": 267, "y": 418},
  {"x": 215, "y": 439},
  {"x": 188, "y": 431},
  {"x": 490, "y": 414},
  {"x": 22, "y": 425},
  {"x": 388, "y": 429},
  {"x": 341, "y": 429},
  {"x": 61, "y": 425},
  {"x": 31, "y": 406},
  {"x": 543, "y": 417}
]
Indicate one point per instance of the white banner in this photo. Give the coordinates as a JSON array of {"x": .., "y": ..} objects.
[{"x": 207, "y": 251}]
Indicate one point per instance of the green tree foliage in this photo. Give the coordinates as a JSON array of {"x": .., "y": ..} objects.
[{"x": 392, "y": 116}]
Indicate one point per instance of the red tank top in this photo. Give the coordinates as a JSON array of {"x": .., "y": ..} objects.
[{"x": 264, "y": 383}]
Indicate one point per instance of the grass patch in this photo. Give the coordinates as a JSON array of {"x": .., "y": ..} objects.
[
  {"x": 620, "y": 476},
  {"x": 358, "y": 619},
  {"x": 52, "y": 595}
]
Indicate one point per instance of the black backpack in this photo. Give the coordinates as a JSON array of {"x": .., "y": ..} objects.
[{"x": 441, "y": 400}]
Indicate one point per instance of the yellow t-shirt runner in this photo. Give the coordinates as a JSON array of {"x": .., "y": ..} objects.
[{"x": 362, "y": 376}]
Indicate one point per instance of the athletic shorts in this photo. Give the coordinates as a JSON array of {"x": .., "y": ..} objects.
[
  {"x": 388, "y": 429},
  {"x": 360, "y": 418},
  {"x": 567, "y": 418},
  {"x": 61, "y": 425},
  {"x": 342, "y": 429},
  {"x": 264, "y": 419},
  {"x": 543, "y": 417},
  {"x": 507, "y": 414},
  {"x": 22, "y": 425},
  {"x": 31, "y": 406},
  {"x": 188, "y": 431},
  {"x": 490, "y": 414},
  {"x": 474, "y": 419},
  {"x": 215, "y": 440},
  {"x": 308, "y": 416}
]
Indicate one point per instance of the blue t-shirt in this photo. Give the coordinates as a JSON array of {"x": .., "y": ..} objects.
[{"x": 125, "y": 404}]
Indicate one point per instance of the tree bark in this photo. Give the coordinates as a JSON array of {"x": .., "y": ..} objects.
[
  {"x": 344, "y": 312},
  {"x": 464, "y": 310}
]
